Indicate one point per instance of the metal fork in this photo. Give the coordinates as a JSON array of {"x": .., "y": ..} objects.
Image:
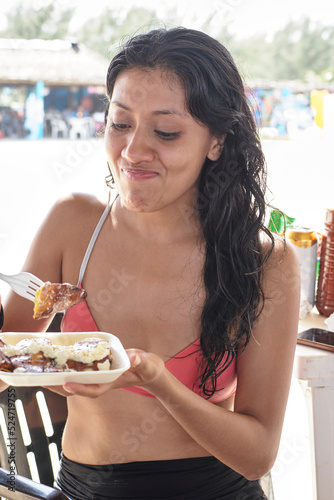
[{"x": 24, "y": 284}]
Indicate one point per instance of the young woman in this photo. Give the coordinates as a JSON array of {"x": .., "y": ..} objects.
[{"x": 184, "y": 272}]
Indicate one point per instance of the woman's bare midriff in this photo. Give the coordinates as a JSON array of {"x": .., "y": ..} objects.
[{"x": 122, "y": 427}]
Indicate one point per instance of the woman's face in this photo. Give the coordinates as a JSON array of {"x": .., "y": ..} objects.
[{"x": 154, "y": 147}]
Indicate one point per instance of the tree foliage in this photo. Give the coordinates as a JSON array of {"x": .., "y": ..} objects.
[
  {"x": 46, "y": 22},
  {"x": 302, "y": 47},
  {"x": 299, "y": 51},
  {"x": 104, "y": 32}
]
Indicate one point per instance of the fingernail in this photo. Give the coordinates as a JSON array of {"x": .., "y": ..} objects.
[
  {"x": 136, "y": 360},
  {"x": 69, "y": 389}
]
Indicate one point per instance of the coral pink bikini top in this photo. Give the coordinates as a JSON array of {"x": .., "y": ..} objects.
[{"x": 184, "y": 365}]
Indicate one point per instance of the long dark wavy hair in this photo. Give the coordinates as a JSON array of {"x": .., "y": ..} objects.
[{"x": 231, "y": 194}]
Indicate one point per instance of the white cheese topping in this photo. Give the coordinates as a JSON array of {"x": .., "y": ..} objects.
[
  {"x": 86, "y": 351},
  {"x": 30, "y": 346}
]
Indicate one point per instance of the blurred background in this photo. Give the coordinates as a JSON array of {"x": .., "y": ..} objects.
[
  {"x": 53, "y": 61},
  {"x": 54, "y": 56}
]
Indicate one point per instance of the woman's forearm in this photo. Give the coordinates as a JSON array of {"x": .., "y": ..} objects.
[{"x": 240, "y": 441}]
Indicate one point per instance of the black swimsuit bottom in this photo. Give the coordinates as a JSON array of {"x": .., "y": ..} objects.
[{"x": 191, "y": 478}]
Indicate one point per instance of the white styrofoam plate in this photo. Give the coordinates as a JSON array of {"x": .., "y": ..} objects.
[{"x": 120, "y": 363}]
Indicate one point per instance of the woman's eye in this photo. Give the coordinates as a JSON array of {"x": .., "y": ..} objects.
[
  {"x": 167, "y": 136},
  {"x": 119, "y": 126}
]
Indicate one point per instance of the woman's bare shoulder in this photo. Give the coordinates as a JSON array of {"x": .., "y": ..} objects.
[
  {"x": 282, "y": 267},
  {"x": 63, "y": 236},
  {"x": 78, "y": 205},
  {"x": 74, "y": 213},
  {"x": 277, "y": 248}
]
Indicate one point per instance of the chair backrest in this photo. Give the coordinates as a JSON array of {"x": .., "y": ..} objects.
[
  {"x": 32, "y": 421},
  {"x": 21, "y": 488}
]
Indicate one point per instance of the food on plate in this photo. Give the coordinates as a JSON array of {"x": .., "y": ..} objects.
[
  {"x": 39, "y": 355},
  {"x": 55, "y": 297}
]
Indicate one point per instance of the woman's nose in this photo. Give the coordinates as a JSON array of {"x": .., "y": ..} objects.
[{"x": 138, "y": 148}]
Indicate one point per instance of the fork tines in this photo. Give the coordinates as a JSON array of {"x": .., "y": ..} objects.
[{"x": 34, "y": 288}]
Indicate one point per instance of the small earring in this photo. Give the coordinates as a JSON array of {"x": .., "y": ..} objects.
[{"x": 110, "y": 181}]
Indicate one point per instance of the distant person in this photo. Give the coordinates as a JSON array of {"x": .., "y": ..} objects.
[
  {"x": 34, "y": 116},
  {"x": 183, "y": 270}
]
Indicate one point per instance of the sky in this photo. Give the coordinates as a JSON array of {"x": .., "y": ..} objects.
[{"x": 244, "y": 17}]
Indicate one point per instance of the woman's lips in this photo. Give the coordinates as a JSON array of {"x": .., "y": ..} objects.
[{"x": 138, "y": 175}]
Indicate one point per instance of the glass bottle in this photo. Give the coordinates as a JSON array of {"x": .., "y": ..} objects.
[{"x": 325, "y": 289}]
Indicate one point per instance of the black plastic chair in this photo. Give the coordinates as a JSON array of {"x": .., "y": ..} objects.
[
  {"x": 32, "y": 421},
  {"x": 25, "y": 489}
]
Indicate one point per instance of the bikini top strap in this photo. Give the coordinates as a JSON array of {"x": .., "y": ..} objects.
[{"x": 94, "y": 237}]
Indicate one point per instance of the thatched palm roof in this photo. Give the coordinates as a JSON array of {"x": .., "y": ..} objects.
[{"x": 56, "y": 62}]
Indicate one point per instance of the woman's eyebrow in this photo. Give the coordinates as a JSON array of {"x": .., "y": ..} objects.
[
  {"x": 157, "y": 112},
  {"x": 169, "y": 112},
  {"x": 120, "y": 105}
]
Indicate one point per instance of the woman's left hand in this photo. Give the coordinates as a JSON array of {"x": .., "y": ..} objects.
[{"x": 145, "y": 370}]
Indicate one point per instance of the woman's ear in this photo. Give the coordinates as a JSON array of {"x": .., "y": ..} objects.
[{"x": 216, "y": 148}]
